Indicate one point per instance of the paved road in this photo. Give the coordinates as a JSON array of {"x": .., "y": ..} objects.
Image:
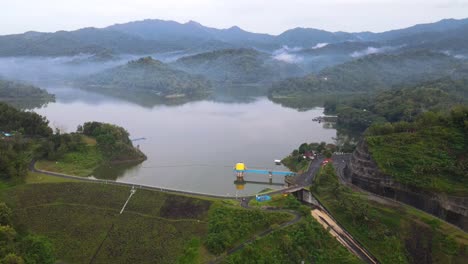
[{"x": 307, "y": 178}]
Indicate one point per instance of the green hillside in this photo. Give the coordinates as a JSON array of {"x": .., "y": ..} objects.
[
  {"x": 372, "y": 73},
  {"x": 237, "y": 66},
  {"x": 429, "y": 153},
  {"x": 392, "y": 232},
  {"x": 149, "y": 76},
  {"x": 399, "y": 104},
  {"x": 23, "y": 95}
]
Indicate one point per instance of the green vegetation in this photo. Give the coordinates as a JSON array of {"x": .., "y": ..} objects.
[
  {"x": 392, "y": 233},
  {"x": 74, "y": 153},
  {"x": 80, "y": 162},
  {"x": 34, "y": 177},
  {"x": 113, "y": 142},
  {"x": 17, "y": 151},
  {"x": 21, "y": 247},
  {"x": 278, "y": 201},
  {"x": 305, "y": 241},
  {"x": 372, "y": 73},
  {"x": 26, "y": 123},
  {"x": 148, "y": 76},
  {"x": 237, "y": 66},
  {"x": 399, "y": 104},
  {"x": 429, "y": 153},
  {"x": 155, "y": 226},
  {"x": 298, "y": 160},
  {"x": 80, "y": 154},
  {"x": 76, "y": 217},
  {"x": 228, "y": 226},
  {"x": 19, "y": 94}
]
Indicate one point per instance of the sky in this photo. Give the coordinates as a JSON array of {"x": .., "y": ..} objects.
[{"x": 262, "y": 16}]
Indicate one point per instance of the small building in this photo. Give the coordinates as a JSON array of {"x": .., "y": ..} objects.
[{"x": 278, "y": 162}]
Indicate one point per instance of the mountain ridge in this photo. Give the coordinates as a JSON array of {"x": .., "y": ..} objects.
[{"x": 155, "y": 35}]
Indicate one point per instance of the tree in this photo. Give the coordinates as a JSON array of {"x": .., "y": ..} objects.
[
  {"x": 5, "y": 214},
  {"x": 303, "y": 148},
  {"x": 37, "y": 250}
]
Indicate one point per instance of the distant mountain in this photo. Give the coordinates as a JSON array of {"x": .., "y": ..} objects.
[
  {"x": 324, "y": 55},
  {"x": 155, "y": 36},
  {"x": 191, "y": 33},
  {"x": 309, "y": 37},
  {"x": 374, "y": 72},
  {"x": 83, "y": 41},
  {"x": 149, "y": 76},
  {"x": 438, "y": 27},
  {"x": 238, "y": 66}
]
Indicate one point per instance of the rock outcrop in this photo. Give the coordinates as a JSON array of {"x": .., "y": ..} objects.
[{"x": 363, "y": 172}]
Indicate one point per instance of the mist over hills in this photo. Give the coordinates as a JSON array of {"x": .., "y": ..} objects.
[
  {"x": 190, "y": 58},
  {"x": 375, "y": 72},
  {"x": 147, "y": 75},
  {"x": 238, "y": 66},
  {"x": 152, "y": 36}
]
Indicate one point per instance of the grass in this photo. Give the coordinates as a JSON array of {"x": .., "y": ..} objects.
[
  {"x": 228, "y": 225},
  {"x": 277, "y": 200},
  {"x": 426, "y": 159},
  {"x": 78, "y": 163},
  {"x": 296, "y": 163},
  {"x": 77, "y": 216},
  {"x": 305, "y": 241},
  {"x": 34, "y": 177},
  {"x": 155, "y": 227},
  {"x": 393, "y": 234}
]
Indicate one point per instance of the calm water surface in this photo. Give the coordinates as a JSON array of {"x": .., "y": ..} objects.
[{"x": 194, "y": 146}]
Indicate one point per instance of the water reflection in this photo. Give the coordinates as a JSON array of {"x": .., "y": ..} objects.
[{"x": 193, "y": 146}]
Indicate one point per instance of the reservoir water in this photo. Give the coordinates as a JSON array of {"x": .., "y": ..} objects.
[{"x": 194, "y": 146}]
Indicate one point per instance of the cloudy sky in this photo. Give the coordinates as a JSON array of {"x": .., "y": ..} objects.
[{"x": 266, "y": 16}]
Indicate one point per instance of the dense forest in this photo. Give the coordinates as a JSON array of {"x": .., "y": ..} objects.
[
  {"x": 238, "y": 66},
  {"x": 15, "y": 91},
  {"x": 373, "y": 73},
  {"x": 113, "y": 141},
  {"x": 404, "y": 103},
  {"x": 148, "y": 76},
  {"x": 22, "y": 95}
]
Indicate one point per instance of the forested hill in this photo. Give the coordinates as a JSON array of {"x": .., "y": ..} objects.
[
  {"x": 374, "y": 72},
  {"x": 10, "y": 90},
  {"x": 399, "y": 104},
  {"x": 24, "y": 96},
  {"x": 238, "y": 66},
  {"x": 429, "y": 153},
  {"x": 148, "y": 75}
]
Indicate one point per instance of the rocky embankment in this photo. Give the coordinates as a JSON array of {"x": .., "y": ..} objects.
[{"x": 363, "y": 172}]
